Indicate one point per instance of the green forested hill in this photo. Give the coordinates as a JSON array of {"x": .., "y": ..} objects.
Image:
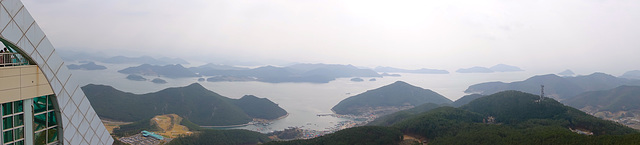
[
  {"x": 222, "y": 137},
  {"x": 518, "y": 119},
  {"x": 560, "y": 88},
  {"x": 402, "y": 115},
  {"x": 514, "y": 107},
  {"x": 259, "y": 107},
  {"x": 365, "y": 135},
  {"x": 192, "y": 102},
  {"x": 465, "y": 99},
  {"x": 623, "y": 98},
  {"x": 396, "y": 94},
  {"x": 448, "y": 126}
]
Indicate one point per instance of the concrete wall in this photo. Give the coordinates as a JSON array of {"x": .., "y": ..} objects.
[{"x": 22, "y": 82}]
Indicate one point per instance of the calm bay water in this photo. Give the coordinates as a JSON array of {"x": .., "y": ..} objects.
[{"x": 303, "y": 101}]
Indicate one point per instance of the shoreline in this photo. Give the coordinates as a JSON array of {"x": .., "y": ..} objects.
[
  {"x": 238, "y": 125},
  {"x": 250, "y": 123},
  {"x": 281, "y": 117}
]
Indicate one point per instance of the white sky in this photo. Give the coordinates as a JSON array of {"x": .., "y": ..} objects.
[{"x": 585, "y": 35}]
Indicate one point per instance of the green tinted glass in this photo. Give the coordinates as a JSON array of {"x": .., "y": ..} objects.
[
  {"x": 40, "y": 137},
  {"x": 7, "y": 122},
  {"x": 52, "y": 119},
  {"x": 39, "y": 122},
  {"x": 18, "y": 106},
  {"x": 49, "y": 103},
  {"x": 19, "y": 133},
  {"x": 19, "y": 142},
  {"x": 39, "y": 104},
  {"x": 7, "y": 108},
  {"x": 18, "y": 120},
  {"x": 53, "y": 135},
  {"x": 8, "y": 136}
]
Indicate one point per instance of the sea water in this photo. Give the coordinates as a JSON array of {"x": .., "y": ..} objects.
[{"x": 303, "y": 101}]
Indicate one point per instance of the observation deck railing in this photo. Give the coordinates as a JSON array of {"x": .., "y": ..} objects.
[{"x": 12, "y": 59}]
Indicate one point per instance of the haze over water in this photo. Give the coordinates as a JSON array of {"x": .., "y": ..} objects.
[{"x": 303, "y": 101}]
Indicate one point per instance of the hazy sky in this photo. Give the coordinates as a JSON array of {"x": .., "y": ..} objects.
[{"x": 585, "y": 35}]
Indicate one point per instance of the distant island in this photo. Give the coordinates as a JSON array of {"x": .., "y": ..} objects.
[
  {"x": 634, "y": 74},
  {"x": 170, "y": 71},
  {"x": 136, "y": 78},
  {"x": 98, "y": 57},
  {"x": 496, "y": 68},
  {"x": 86, "y": 66},
  {"x": 418, "y": 71},
  {"x": 230, "y": 79},
  {"x": 390, "y": 75},
  {"x": 357, "y": 80},
  {"x": 159, "y": 81},
  {"x": 192, "y": 102},
  {"x": 215, "y": 67},
  {"x": 557, "y": 87},
  {"x": 475, "y": 69},
  {"x": 390, "y": 98},
  {"x": 311, "y": 73}
]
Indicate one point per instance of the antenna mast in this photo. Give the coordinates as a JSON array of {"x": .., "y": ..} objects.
[{"x": 541, "y": 92}]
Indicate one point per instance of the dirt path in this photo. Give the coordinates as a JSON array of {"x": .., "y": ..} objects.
[
  {"x": 170, "y": 125},
  {"x": 414, "y": 138},
  {"x": 110, "y": 125}
]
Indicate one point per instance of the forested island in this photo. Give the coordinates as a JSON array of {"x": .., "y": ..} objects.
[
  {"x": 311, "y": 73},
  {"x": 86, "y": 66},
  {"x": 391, "y": 97},
  {"x": 170, "y": 71},
  {"x": 136, "y": 78},
  {"x": 193, "y": 102}
]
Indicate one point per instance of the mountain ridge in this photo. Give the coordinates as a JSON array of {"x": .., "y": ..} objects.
[
  {"x": 397, "y": 94},
  {"x": 555, "y": 86},
  {"x": 193, "y": 102}
]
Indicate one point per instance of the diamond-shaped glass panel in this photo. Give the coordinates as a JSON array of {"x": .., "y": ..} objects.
[
  {"x": 25, "y": 46},
  {"x": 4, "y": 18},
  {"x": 23, "y": 19},
  {"x": 45, "y": 49},
  {"x": 35, "y": 34},
  {"x": 12, "y": 32},
  {"x": 55, "y": 62},
  {"x": 12, "y": 6},
  {"x": 37, "y": 58}
]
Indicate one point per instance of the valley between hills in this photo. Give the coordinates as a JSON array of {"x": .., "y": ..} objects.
[{"x": 396, "y": 112}]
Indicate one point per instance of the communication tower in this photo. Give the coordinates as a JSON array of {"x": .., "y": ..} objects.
[{"x": 541, "y": 92}]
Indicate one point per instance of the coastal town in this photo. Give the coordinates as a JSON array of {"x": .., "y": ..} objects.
[{"x": 351, "y": 121}]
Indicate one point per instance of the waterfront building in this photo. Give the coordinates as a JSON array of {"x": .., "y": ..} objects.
[{"x": 40, "y": 102}]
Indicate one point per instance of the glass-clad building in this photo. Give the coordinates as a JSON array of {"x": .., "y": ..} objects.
[{"x": 40, "y": 102}]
